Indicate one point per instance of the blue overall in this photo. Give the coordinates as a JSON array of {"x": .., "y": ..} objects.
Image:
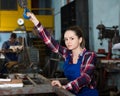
[{"x": 72, "y": 71}]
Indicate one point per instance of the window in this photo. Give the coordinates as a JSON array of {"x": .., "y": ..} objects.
[
  {"x": 42, "y": 7},
  {"x": 8, "y": 4}
]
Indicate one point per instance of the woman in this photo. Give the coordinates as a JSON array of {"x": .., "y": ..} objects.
[{"x": 79, "y": 63}]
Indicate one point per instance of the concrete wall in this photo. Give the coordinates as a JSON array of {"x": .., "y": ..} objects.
[{"x": 105, "y": 11}]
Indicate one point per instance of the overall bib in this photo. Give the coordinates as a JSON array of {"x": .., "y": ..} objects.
[{"x": 72, "y": 71}]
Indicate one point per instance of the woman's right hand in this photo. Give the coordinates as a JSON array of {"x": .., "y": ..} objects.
[
  {"x": 33, "y": 18},
  {"x": 56, "y": 83}
]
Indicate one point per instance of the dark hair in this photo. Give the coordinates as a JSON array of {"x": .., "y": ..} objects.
[
  {"x": 78, "y": 31},
  {"x": 13, "y": 35}
]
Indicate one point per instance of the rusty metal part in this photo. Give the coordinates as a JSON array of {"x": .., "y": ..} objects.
[
  {"x": 27, "y": 89},
  {"x": 41, "y": 85},
  {"x": 62, "y": 92}
]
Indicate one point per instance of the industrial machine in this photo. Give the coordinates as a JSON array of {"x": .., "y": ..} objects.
[{"x": 111, "y": 33}]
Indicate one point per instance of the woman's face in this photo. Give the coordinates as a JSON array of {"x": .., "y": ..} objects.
[{"x": 72, "y": 41}]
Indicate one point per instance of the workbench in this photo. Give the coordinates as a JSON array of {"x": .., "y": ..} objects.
[
  {"x": 110, "y": 60},
  {"x": 111, "y": 65},
  {"x": 109, "y": 71},
  {"x": 33, "y": 84}
]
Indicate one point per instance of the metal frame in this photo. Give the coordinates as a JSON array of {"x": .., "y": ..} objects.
[{"x": 34, "y": 88}]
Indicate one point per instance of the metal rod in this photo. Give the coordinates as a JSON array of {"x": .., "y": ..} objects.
[{"x": 31, "y": 80}]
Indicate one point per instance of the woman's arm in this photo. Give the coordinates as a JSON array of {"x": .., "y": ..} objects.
[{"x": 46, "y": 37}]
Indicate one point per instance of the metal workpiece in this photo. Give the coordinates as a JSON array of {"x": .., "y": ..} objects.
[
  {"x": 28, "y": 89},
  {"x": 33, "y": 84},
  {"x": 62, "y": 92}
]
